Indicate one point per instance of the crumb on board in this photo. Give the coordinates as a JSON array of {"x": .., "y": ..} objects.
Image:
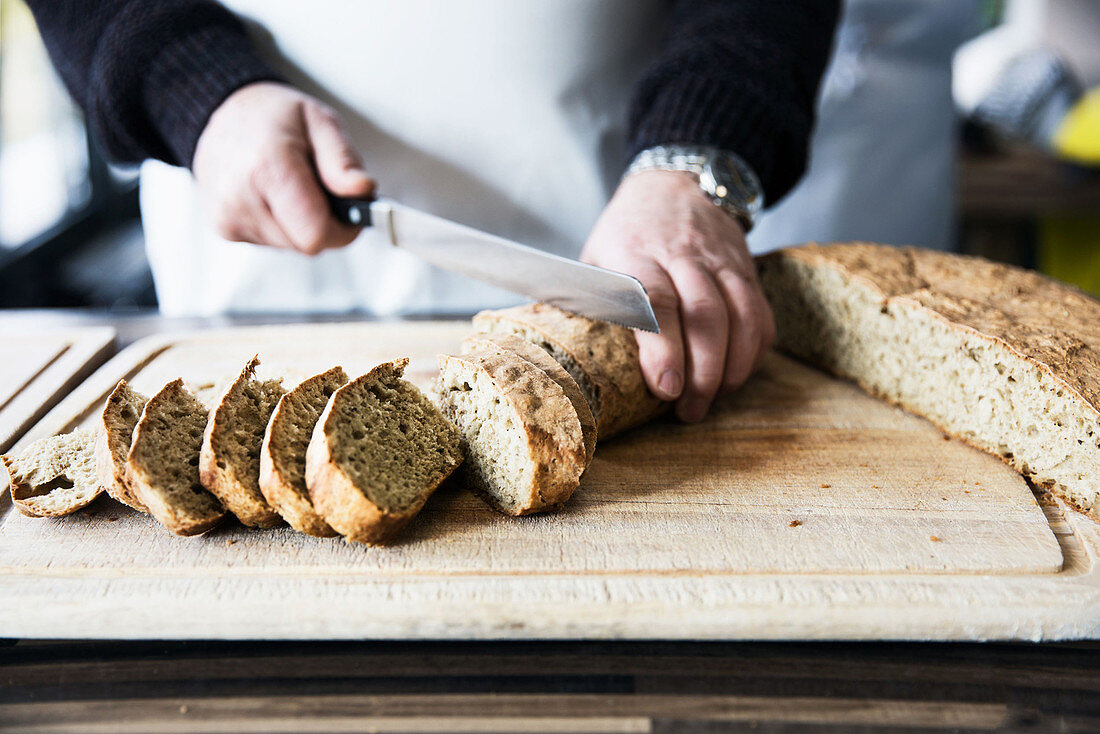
[
  {"x": 934, "y": 538},
  {"x": 230, "y": 542},
  {"x": 874, "y": 486},
  {"x": 825, "y": 486},
  {"x": 946, "y": 437},
  {"x": 794, "y": 523}
]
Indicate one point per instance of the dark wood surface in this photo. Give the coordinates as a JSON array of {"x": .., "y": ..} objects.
[
  {"x": 550, "y": 686},
  {"x": 105, "y": 686}
]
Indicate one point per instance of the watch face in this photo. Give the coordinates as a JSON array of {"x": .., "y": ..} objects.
[{"x": 736, "y": 182}]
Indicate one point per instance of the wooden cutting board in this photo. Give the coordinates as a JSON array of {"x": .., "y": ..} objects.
[
  {"x": 38, "y": 368},
  {"x": 800, "y": 508}
]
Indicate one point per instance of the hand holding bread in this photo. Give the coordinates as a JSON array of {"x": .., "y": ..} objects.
[{"x": 691, "y": 256}]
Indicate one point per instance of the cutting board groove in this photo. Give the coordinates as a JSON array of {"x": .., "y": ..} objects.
[{"x": 37, "y": 369}]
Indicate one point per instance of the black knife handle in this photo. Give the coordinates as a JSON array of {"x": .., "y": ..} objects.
[{"x": 354, "y": 212}]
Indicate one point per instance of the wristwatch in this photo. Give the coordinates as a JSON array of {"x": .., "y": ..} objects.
[{"x": 724, "y": 177}]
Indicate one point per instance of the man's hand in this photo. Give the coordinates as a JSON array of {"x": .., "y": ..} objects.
[
  {"x": 258, "y": 161},
  {"x": 716, "y": 325}
]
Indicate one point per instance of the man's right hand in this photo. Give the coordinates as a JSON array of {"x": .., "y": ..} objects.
[{"x": 258, "y": 161}]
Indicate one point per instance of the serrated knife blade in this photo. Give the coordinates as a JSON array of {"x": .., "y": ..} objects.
[{"x": 573, "y": 286}]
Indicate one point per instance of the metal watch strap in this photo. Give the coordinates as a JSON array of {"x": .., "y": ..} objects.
[{"x": 695, "y": 159}]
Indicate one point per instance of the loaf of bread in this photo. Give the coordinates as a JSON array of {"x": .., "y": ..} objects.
[
  {"x": 229, "y": 461},
  {"x": 163, "y": 463},
  {"x": 524, "y": 446},
  {"x": 283, "y": 452},
  {"x": 117, "y": 421},
  {"x": 541, "y": 359},
  {"x": 378, "y": 451},
  {"x": 1003, "y": 358},
  {"x": 54, "y": 476},
  {"x": 602, "y": 358}
]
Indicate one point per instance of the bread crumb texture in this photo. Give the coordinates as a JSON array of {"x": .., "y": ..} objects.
[
  {"x": 524, "y": 443},
  {"x": 163, "y": 462},
  {"x": 602, "y": 358},
  {"x": 1005, "y": 359},
  {"x": 377, "y": 453},
  {"x": 117, "y": 421},
  {"x": 54, "y": 476},
  {"x": 230, "y": 456},
  {"x": 283, "y": 452}
]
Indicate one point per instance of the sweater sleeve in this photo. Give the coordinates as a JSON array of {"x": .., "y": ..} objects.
[
  {"x": 741, "y": 75},
  {"x": 147, "y": 74}
]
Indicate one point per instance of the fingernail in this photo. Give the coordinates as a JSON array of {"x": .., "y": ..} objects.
[
  {"x": 670, "y": 384},
  {"x": 692, "y": 412}
]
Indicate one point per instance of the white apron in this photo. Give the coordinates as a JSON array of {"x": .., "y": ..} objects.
[
  {"x": 882, "y": 159},
  {"x": 503, "y": 115}
]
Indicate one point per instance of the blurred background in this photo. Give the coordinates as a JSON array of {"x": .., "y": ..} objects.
[{"x": 1026, "y": 87}]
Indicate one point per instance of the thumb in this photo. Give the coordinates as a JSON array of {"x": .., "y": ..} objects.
[{"x": 338, "y": 164}]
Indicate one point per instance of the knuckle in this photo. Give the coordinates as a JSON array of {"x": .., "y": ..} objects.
[
  {"x": 664, "y": 299},
  {"x": 705, "y": 310},
  {"x": 689, "y": 239},
  {"x": 323, "y": 114},
  {"x": 706, "y": 382},
  {"x": 227, "y": 223},
  {"x": 311, "y": 240},
  {"x": 736, "y": 374}
]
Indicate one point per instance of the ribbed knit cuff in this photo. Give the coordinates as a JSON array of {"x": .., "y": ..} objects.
[
  {"x": 189, "y": 78},
  {"x": 700, "y": 111}
]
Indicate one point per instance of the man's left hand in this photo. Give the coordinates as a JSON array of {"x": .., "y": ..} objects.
[{"x": 691, "y": 256}]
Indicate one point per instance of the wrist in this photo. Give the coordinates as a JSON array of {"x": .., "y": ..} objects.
[{"x": 722, "y": 177}]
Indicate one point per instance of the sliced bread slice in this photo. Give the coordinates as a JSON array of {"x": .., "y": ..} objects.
[
  {"x": 54, "y": 476},
  {"x": 542, "y": 359},
  {"x": 378, "y": 451},
  {"x": 229, "y": 461},
  {"x": 116, "y": 429},
  {"x": 524, "y": 445},
  {"x": 602, "y": 358},
  {"x": 1003, "y": 358},
  {"x": 163, "y": 463},
  {"x": 283, "y": 452}
]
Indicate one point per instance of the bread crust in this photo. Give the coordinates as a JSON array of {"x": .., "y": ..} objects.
[
  {"x": 141, "y": 477},
  {"x": 1051, "y": 326},
  {"x": 22, "y": 488},
  {"x": 110, "y": 468},
  {"x": 608, "y": 355},
  {"x": 219, "y": 474},
  {"x": 541, "y": 359},
  {"x": 334, "y": 495},
  {"x": 295, "y": 506},
  {"x": 550, "y": 424}
]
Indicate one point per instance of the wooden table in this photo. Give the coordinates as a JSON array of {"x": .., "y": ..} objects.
[{"x": 533, "y": 686}]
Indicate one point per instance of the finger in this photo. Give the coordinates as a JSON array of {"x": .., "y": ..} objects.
[
  {"x": 269, "y": 230},
  {"x": 338, "y": 164},
  {"x": 706, "y": 336},
  {"x": 661, "y": 355},
  {"x": 749, "y": 313},
  {"x": 293, "y": 194}
]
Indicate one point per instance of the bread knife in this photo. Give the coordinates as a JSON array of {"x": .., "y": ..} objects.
[{"x": 570, "y": 285}]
